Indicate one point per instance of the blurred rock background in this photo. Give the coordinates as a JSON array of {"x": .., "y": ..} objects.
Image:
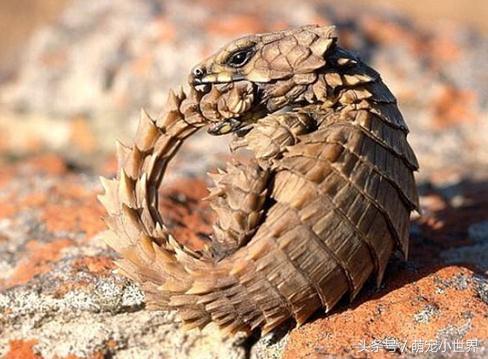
[{"x": 73, "y": 76}]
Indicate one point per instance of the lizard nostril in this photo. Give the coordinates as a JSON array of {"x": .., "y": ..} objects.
[{"x": 198, "y": 72}]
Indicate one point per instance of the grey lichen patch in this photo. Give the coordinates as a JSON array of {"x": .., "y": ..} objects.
[
  {"x": 108, "y": 320},
  {"x": 16, "y": 232},
  {"x": 272, "y": 345},
  {"x": 27, "y": 306},
  {"x": 166, "y": 339},
  {"x": 452, "y": 332},
  {"x": 132, "y": 297},
  {"x": 127, "y": 335},
  {"x": 430, "y": 311},
  {"x": 481, "y": 287},
  {"x": 102, "y": 314},
  {"x": 111, "y": 296},
  {"x": 458, "y": 282},
  {"x": 81, "y": 337}
]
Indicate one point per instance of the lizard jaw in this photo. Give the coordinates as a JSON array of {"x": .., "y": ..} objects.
[{"x": 202, "y": 87}]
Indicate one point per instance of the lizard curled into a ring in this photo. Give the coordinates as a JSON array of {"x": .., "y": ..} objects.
[{"x": 320, "y": 208}]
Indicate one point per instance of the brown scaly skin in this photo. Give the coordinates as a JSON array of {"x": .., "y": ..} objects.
[{"x": 320, "y": 208}]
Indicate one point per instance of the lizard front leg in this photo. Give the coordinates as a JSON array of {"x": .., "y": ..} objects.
[{"x": 271, "y": 135}]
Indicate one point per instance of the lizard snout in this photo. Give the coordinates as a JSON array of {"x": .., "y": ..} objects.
[{"x": 197, "y": 74}]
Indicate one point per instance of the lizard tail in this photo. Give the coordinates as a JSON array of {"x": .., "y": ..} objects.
[{"x": 172, "y": 275}]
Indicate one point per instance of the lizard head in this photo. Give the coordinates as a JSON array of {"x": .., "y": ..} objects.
[{"x": 259, "y": 74}]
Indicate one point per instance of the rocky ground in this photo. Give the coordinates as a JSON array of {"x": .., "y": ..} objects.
[{"x": 79, "y": 86}]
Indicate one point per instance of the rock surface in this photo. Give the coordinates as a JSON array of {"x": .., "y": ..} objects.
[{"x": 80, "y": 85}]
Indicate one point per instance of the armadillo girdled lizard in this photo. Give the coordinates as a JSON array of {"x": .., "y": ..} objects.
[{"x": 319, "y": 209}]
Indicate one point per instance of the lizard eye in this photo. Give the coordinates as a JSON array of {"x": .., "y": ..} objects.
[{"x": 239, "y": 58}]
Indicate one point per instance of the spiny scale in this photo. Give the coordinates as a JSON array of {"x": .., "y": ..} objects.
[{"x": 320, "y": 208}]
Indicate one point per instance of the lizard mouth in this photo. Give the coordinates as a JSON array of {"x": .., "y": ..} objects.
[
  {"x": 202, "y": 87},
  {"x": 229, "y": 107}
]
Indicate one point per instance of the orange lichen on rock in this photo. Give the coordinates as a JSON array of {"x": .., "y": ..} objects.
[
  {"x": 82, "y": 136},
  {"x": 445, "y": 49},
  {"x": 5, "y": 177},
  {"x": 100, "y": 265},
  {"x": 165, "y": 30},
  {"x": 47, "y": 163},
  {"x": 410, "y": 309},
  {"x": 37, "y": 261},
  {"x": 7, "y": 207},
  {"x": 22, "y": 349},
  {"x": 72, "y": 208},
  {"x": 65, "y": 205},
  {"x": 386, "y": 32},
  {"x": 189, "y": 218},
  {"x": 142, "y": 65},
  {"x": 452, "y": 107}
]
